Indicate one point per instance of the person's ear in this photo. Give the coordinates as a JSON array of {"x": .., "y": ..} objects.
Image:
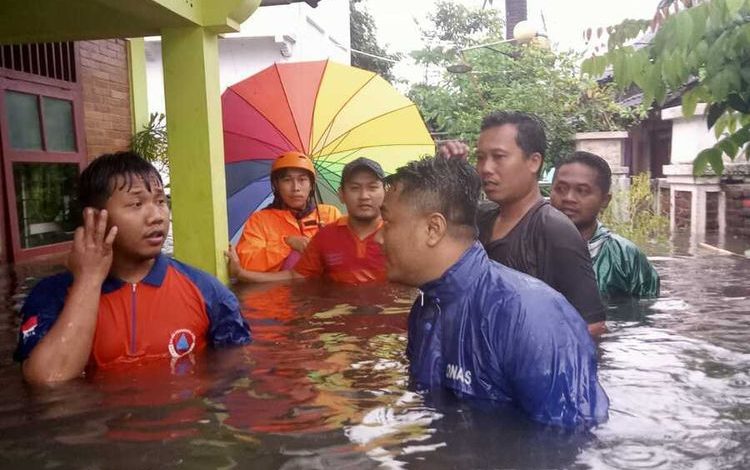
[
  {"x": 341, "y": 194},
  {"x": 437, "y": 227},
  {"x": 535, "y": 162},
  {"x": 606, "y": 200}
]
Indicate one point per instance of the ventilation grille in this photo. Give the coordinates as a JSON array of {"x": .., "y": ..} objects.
[{"x": 54, "y": 60}]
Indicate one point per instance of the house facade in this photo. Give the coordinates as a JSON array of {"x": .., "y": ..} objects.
[
  {"x": 282, "y": 33},
  {"x": 190, "y": 33},
  {"x": 61, "y": 104}
]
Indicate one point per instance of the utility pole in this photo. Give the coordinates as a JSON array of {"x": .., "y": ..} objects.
[{"x": 515, "y": 12}]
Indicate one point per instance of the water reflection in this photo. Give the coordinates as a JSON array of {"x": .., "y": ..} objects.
[{"x": 324, "y": 385}]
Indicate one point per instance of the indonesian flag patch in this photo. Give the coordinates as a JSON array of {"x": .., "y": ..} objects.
[{"x": 29, "y": 326}]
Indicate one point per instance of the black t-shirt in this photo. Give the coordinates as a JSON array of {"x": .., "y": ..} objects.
[{"x": 545, "y": 244}]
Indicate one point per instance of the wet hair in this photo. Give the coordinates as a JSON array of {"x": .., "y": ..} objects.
[
  {"x": 600, "y": 165},
  {"x": 449, "y": 186},
  {"x": 530, "y": 135},
  {"x": 114, "y": 171}
]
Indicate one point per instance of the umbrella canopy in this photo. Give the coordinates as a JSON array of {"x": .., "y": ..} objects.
[{"x": 332, "y": 112}]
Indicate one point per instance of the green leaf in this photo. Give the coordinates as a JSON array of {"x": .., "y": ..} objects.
[
  {"x": 708, "y": 156},
  {"x": 679, "y": 70},
  {"x": 701, "y": 50},
  {"x": 733, "y": 7},
  {"x": 701, "y": 162},
  {"x": 738, "y": 104},
  {"x": 721, "y": 125},
  {"x": 620, "y": 69},
  {"x": 690, "y": 102},
  {"x": 700, "y": 16},
  {"x": 732, "y": 122},
  {"x": 715, "y": 111},
  {"x": 716, "y": 161},
  {"x": 716, "y": 12},
  {"x": 684, "y": 28},
  {"x": 741, "y": 137},
  {"x": 728, "y": 146}
]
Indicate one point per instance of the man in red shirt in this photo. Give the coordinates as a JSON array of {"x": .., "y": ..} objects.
[{"x": 345, "y": 250}]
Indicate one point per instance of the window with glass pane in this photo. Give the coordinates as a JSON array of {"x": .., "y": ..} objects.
[
  {"x": 58, "y": 125},
  {"x": 22, "y": 116},
  {"x": 46, "y": 200}
]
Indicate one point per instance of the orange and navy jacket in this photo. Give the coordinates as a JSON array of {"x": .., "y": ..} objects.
[
  {"x": 174, "y": 311},
  {"x": 339, "y": 254},
  {"x": 262, "y": 246}
]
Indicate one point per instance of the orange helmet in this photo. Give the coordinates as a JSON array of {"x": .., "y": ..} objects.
[{"x": 293, "y": 159}]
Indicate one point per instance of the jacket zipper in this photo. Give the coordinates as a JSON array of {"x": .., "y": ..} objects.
[{"x": 133, "y": 323}]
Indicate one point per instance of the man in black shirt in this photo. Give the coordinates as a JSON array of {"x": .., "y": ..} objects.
[{"x": 517, "y": 227}]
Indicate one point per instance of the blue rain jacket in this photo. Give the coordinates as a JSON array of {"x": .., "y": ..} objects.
[{"x": 489, "y": 332}]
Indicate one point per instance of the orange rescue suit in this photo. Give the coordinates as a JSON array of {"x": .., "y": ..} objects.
[{"x": 262, "y": 246}]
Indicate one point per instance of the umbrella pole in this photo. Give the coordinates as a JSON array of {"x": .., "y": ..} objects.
[{"x": 318, "y": 196}]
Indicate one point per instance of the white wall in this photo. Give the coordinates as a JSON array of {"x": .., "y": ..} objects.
[
  {"x": 287, "y": 33},
  {"x": 689, "y": 135}
]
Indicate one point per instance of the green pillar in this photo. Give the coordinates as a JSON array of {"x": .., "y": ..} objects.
[
  {"x": 138, "y": 86},
  {"x": 196, "y": 147}
]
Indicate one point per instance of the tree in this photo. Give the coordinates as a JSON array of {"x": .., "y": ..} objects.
[
  {"x": 700, "y": 49},
  {"x": 506, "y": 77},
  {"x": 364, "y": 38}
]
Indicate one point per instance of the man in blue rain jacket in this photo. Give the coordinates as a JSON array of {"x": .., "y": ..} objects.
[{"x": 479, "y": 328}]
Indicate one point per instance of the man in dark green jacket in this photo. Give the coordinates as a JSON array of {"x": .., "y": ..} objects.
[{"x": 580, "y": 189}]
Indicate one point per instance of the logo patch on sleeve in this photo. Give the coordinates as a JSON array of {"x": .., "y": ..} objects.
[{"x": 29, "y": 326}]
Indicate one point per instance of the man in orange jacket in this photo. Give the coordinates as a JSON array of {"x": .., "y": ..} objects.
[
  {"x": 274, "y": 238},
  {"x": 344, "y": 251}
]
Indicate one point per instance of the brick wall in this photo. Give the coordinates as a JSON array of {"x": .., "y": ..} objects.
[
  {"x": 738, "y": 210},
  {"x": 106, "y": 95},
  {"x": 682, "y": 207},
  {"x": 664, "y": 201}
]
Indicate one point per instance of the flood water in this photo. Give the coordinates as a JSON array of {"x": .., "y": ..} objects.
[{"x": 324, "y": 385}]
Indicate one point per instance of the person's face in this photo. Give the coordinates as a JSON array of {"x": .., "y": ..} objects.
[
  {"x": 363, "y": 194},
  {"x": 507, "y": 173},
  {"x": 141, "y": 217},
  {"x": 576, "y": 194},
  {"x": 403, "y": 238},
  {"x": 294, "y": 188}
]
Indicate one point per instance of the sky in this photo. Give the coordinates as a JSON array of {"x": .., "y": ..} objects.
[{"x": 565, "y": 20}]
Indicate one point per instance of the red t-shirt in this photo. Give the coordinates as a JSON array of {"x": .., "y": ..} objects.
[{"x": 339, "y": 254}]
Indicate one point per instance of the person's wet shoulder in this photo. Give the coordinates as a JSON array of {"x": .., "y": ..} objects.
[
  {"x": 557, "y": 226},
  {"x": 626, "y": 246}
]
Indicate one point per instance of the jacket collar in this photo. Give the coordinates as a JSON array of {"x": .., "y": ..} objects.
[
  {"x": 600, "y": 237},
  {"x": 459, "y": 277},
  {"x": 155, "y": 276}
]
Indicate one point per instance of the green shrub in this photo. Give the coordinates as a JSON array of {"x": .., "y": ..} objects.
[
  {"x": 632, "y": 215},
  {"x": 151, "y": 142}
]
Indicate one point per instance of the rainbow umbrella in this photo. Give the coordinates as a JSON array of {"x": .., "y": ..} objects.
[{"x": 332, "y": 112}]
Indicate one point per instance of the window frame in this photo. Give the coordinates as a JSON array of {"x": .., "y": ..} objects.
[{"x": 11, "y": 80}]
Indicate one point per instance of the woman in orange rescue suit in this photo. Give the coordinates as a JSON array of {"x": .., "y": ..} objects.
[{"x": 274, "y": 237}]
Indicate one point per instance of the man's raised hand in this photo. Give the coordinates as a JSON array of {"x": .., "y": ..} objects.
[
  {"x": 454, "y": 149},
  {"x": 91, "y": 255}
]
